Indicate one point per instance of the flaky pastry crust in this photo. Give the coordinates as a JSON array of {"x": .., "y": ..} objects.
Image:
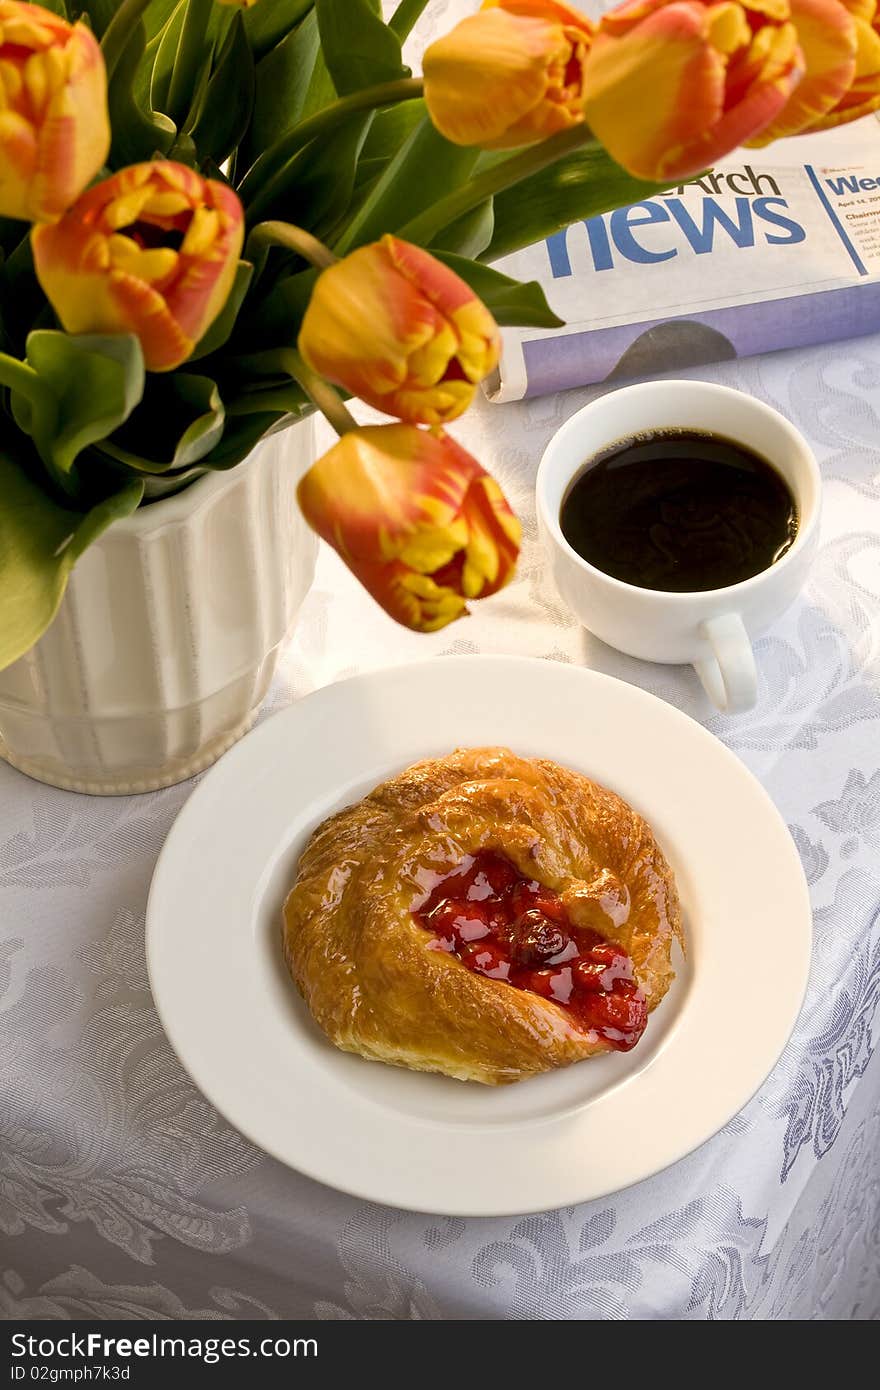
[{"x": 363, "y": 963}]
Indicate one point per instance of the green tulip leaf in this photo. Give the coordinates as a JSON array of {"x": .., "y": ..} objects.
[
  {"x": 275, "y": 320},
  {"x": 221, "y": 329},
  {"x": 159, "y": 485},
  {"x": 406, "y": 15},
  {"x": 159, "y": 61},
  {"x": 12, "y": 233},
  {"x": 100, "y": 13},
  {"x": 58, "y": 7},
  {"x": 578, "y": 186},
  {"x": 359, "y": 49},
  {"x": 22, "y": 300},
  {"x": 95, "y": 382},
  {"x": 156, "y": 16},
  {"x": 267, "y": 24},
  {"x": 225, "y": 109},
  {"x": 391, "y": 127},
  {"x": 242, "y": 435},
  {"x": 509, "y": 301},
  {"x": 469, "y": 235},
  {"x": 240, "y": 438},
  {"x": 181, "y": 419},
  {"x": 315, "y": 189},
  {"x": 283, "y": 78},
  {"x": 368, "y": 172},
  {"x": 424, "y": 168},
  {"x": 39, "y": 544},
  {"x": 320, "y": 91},
  {"x": 138, "y": 131}
]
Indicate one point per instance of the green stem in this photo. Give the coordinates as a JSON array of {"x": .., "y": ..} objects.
[
  {"x": 119, "y": 30},
  {"x": 324, "y": 396},
  {"x": 294, "y": 239},
  {"x": 256, "y": 186},
  {"x": 405, "y": 16},
  {"x": 188, "y": 58},
  {"x": 424, "y": 228},
  {"x": 18, "y": 376}
]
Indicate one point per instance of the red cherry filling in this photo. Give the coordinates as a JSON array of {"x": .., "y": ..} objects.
[{"x": 506, "y": 927}]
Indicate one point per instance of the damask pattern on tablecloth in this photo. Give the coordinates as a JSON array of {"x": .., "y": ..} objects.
[
  {"x": 79, "y": 1295},
  {"x": 836, "y": 1057},
  {"x": 124, "y": 1195},
  {"x": 108, "y": 1131},
  {"x": 102, "y": 1130}
]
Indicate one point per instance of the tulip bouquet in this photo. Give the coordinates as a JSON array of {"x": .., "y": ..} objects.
[{"x": 218, "y": 215}]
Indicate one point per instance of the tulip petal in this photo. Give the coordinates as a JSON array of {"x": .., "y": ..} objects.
[
  {"x": 429, "y": 550},
  {"x": 479, "y": 340},
  {"x": 379, "y": 485},
  {"x": 478, "y": 346},
  {"x": 427, "y": 363},
  {"x": 18, "y": 144},
  {"x": 667, "y": 55},
  {"x": 415, "y": 518},
  {"x": 501, "y": 80},
  {"x": 414, "y": 601},
  {"x": 363, "y": 322},
  {"x": 164, "y": 344},
  {"x": 780, "y": 70},
  {"x": 52, "y": 78},
  {"x": 435, "y": 280},
  {"x": 624, "y": 17},
  {"x": 827, "y": 36},
  {"x": 772, "y": 9},
  {"x": 545, "y": 9},
  {"x": 106, "y": 268},
  {"x": 562, "y": 104},
  {"x": 495, "y": 534},
  {"x": 396, "y": 327},
  {"x": 705, "y": 99},
  {"x": 444, "y": 402},
  {"x": 203, "y": 230},
  {"x": 863, "y": 95},
  {"x": 488, "y": 73},
  {"x": 867, "y": 56}
]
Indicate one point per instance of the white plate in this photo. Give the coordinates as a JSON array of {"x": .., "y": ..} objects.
[{"x": 427, "y": 1142}]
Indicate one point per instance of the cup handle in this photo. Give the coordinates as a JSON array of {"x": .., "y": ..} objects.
[{"x": 729, "y": 676}]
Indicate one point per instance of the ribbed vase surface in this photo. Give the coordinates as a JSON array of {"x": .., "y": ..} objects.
[{"x": 168, "y": 634}]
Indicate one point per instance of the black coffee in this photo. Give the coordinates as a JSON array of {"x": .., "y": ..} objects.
[{"x": 679, "y": 510}]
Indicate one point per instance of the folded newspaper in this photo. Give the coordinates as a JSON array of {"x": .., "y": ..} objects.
[{"x": 761, "y": 253}]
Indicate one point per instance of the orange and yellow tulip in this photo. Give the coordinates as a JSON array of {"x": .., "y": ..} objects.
[
  {"x": 393, "y": 325},
  {"x": 829, "y": 38},
  {"x": 862, "y": 94},
  {"x": 416, "y": 519},
  {"x": 54, "y": 126},
  {"x": 510, "y": 75},
  {"x": 152, "y": 251},
  {"x": 673, "y": 85}
]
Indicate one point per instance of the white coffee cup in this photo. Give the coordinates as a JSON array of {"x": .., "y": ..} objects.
[{"x": 712, "y": 628}]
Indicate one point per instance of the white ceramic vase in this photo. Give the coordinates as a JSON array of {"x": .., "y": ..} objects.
[{"x": 168, "y": 634}]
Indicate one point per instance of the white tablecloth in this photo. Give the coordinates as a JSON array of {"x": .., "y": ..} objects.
[{"x": 124, "y": 1195}]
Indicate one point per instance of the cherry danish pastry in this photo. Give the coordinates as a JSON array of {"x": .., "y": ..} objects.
[{"x": 483, "y": 915}]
